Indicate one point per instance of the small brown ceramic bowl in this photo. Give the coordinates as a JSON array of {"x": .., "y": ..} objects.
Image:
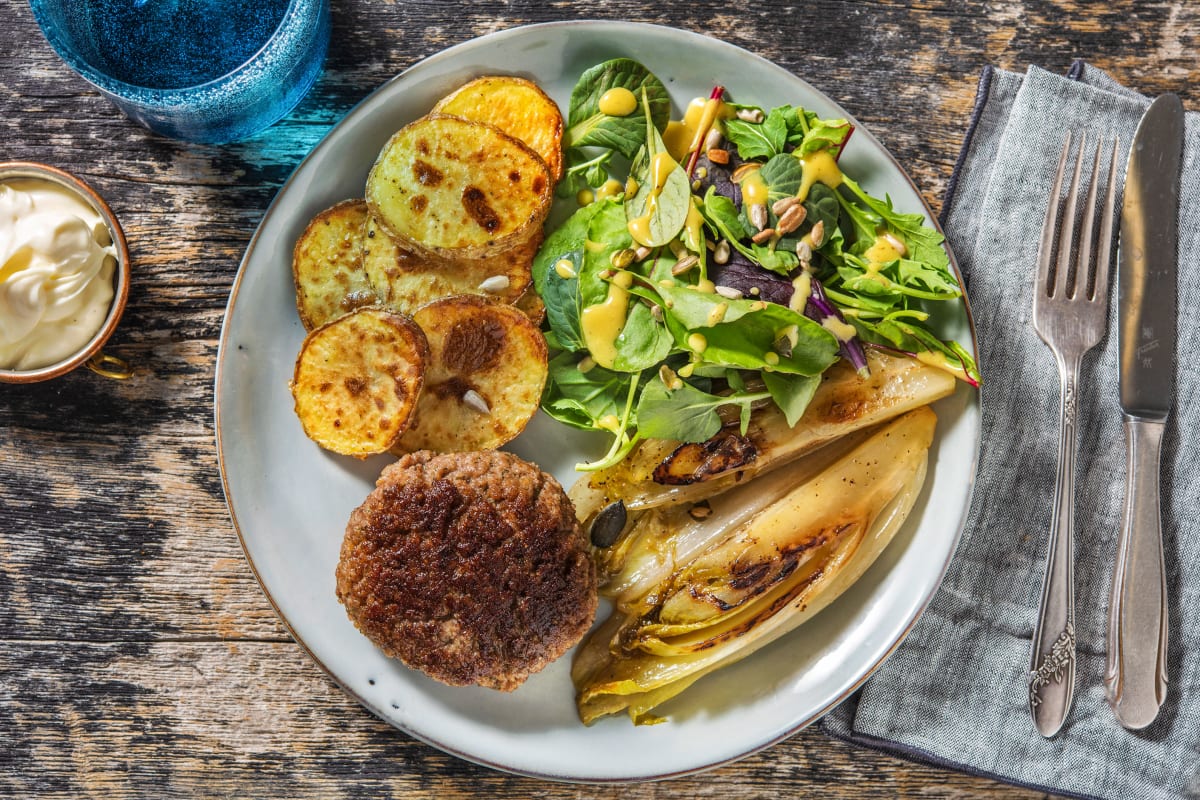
[{"x": 90, "y": 353}]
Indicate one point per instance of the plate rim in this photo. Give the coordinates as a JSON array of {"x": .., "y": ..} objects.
[{"x": 358, "y": 109}]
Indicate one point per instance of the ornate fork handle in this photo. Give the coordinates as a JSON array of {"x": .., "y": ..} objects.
[{"x": 1052, "y": 666}]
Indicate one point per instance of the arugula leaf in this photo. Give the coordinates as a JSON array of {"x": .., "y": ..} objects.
[
  {"x": 923, "y": 243},
  {"x": 791, "y": 393},
  {"x": 685, "y": 414},
  {"x": 583, "y": 399},
  {"x": 587, "y": 125}
]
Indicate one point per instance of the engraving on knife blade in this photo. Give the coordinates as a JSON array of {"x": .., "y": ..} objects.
[{"x": 1054, "y": 664}]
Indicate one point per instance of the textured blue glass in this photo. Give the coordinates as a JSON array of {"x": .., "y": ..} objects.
[{"x": 199, "y": 70}]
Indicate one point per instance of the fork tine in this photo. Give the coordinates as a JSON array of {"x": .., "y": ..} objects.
[
  {"x": 1046, "y": 246},
  {"x": 1098, "y": 287},
  {"x": 1084, "y": 271},
  {"x": 1066, "y": 235}
]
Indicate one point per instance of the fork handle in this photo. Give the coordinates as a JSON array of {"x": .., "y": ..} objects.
[
  {"x": 1136, "y": 677},
  {"x": 1052, "y": 666}
]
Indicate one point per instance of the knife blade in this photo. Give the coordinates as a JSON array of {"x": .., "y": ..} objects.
[{"x": 1136, "y": 674}]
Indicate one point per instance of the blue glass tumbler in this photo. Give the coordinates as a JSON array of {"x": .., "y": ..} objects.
[{"x": 197, "y": 70}]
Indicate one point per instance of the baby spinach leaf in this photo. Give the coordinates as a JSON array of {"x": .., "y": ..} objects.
[
  {"x": 587, "y": 125},
  {"x": 643, "y": 342},
  {"x": 662, "y": 202},
  {"x": 783, "y": 175},
  {"x": 561, "y": 297},
  {"x": 566, "y": 238}
]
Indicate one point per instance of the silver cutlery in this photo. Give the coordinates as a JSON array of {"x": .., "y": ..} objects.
[
  {"x": 1070, "y": 313},
  {"x": 1136, "y": 674}
]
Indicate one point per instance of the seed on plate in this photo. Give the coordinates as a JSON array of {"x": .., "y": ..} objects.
[
  {"x": 895, "y": 242},
  {"x": 475, "y": 400},
  {"x": 718, "y": 156},
  {"x": 741, "y": 172},
  {"x": 622, "y": 258},
  {"x": 701, "y": 510},
  {"x": 758, "y": 215},
  {"x": 781, "y": 206},
  {"x": 496, "y": 283},
  {"x": 728, "y": 292},
  {"x": 791, "y": 219},
  {"x": 721, "y": 252},
  {"x": 817, "y": 234},
  {"x": 765, "y": 235},
  {"x": 684, "y": 264},
  {"x": 609, "y": 523},
  {"x": 754, "y": 115}
]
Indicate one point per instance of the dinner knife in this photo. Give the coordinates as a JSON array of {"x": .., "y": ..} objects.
[{"x": 1136, "y": 675}]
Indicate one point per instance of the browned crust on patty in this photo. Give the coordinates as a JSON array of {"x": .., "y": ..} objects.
[{"x": 470, "y": 567}]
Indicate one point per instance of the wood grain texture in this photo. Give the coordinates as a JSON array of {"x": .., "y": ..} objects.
[{"x": 138, "y": 656}]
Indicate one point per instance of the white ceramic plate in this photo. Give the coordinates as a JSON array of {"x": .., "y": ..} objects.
[{"x": 290, "y": 500}]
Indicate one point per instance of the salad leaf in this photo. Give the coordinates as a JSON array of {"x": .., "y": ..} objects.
[
  {"x": 560, "y": 295},
  {"x": 662, "y": 201},
  {"x": 643, "y": 342},
  {"x": 792, "y": 393},
  {"x": 588, "y": 126},
  {"x": 583, "y": 399},
  {"x": 685, "y": 414}
]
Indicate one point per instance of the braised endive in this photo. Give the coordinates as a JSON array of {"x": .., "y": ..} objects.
[{"x": 695, "y": 592}]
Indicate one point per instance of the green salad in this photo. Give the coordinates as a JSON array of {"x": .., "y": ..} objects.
[{"x": 720, "y": 263}]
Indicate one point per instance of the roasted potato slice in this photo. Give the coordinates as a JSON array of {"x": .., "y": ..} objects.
[
  {"x": 406, "y": 280},
  {"x": 516, "y": 106},
  {"x": 532, "y": 305},
  {"x": 327, "y": 265},
  {"x": 357, "y": 380},
  {"x": 485, "y": 377},
  {"x": 458, "y": 189}
]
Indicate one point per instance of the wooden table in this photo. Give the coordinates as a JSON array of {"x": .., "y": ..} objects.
[{"x": 138, "y": 657}]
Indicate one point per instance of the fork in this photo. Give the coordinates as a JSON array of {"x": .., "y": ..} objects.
[{"x": 1070, "y": 313}]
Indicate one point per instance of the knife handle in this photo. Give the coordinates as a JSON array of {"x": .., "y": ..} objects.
[{"x": 1136, "y": 677}]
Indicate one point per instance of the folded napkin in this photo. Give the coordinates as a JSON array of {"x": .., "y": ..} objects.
[{"x": 955, "y": 692}]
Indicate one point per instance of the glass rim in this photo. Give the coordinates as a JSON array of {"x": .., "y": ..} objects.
[{"x": 144, "y": 94}]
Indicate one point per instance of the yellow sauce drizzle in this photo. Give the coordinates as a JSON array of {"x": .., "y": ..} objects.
[
  {"x": 660, "y": 169},
  {"x": 717, "y": 313},
  {"x": 771, "y": 358},
  {"x": 693, "y": 237},
  {"x": 754, "y": 189},
  {"x": 844, "y": 331},
  {"x": 618, "y": 102},
  {"x": 697, "y": 342},
  {"x": 564, "y": 268},
  {"x": 611, "y": 188},
  {"x": 706, "y": 286},
  {"x": 882, "y": 251},
  {"x": 801, "y": 289},
  {"x": 585, "y": 197},
  {"x": 601, "y": 324},
  {"x": 819, "y": 167}
]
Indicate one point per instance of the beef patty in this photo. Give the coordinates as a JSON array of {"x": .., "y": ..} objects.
[{"x": 470, "y": 567}]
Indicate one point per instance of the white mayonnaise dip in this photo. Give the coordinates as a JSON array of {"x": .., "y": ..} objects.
[{"x": 57, "y": 262}]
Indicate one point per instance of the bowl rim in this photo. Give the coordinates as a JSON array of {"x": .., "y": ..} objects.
[{"x": 17, "y": 170}]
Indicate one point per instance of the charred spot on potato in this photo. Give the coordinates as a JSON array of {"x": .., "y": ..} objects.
[
  {"x": 427, "y": 174},
  {"x": 423, "y": 146},
  {"x": 418, "y": 203},
  {"x": 454, "y": 388},
  {"x": 355, "y": 384},
  {"x": 539, "y": 184},
  {"x": 477, "y": 207},
  {"x": 514, "y": 176},
  {"x": 702, "y": 461},
  {"x": 473, "y": 344}
]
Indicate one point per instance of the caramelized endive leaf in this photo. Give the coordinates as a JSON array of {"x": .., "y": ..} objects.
[
  {"x": 760, "y": 580},
  {"x": 842, "y": 404}
]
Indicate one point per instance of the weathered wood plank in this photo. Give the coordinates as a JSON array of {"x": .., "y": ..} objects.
[{"x": 138, "y": 657}]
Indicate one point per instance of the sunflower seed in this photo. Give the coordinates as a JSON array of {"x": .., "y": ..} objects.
[
  {"x": 728, "y": 292},
  {"x": 721, "y": 252},
  {"x": 781, "y": 206},
  {"x": 717, "y": 156},
  {"x": 791, "y": 219},
  {"x": 622, "y": 258},
  {"x": 764, "y": 235},
  {"x": 496, "y": 283},
  {"x": 758, "y": 215},
  {"x": 754, "y": 115},
  {"x": 684, "y": 264},
  {"x": 818, "y": 233},
  {"x": 713, "y": 139},
  {"x": 475, "y": 400}
]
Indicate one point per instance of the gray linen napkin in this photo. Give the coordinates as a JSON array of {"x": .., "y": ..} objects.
[{"x": 955, "y": 691}]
